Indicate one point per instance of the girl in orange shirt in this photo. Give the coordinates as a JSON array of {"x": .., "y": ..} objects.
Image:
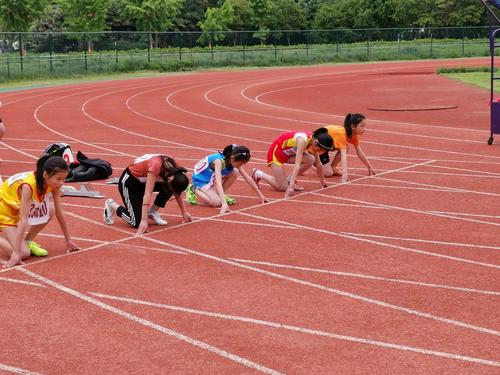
[{"x": 354, "y": 127}]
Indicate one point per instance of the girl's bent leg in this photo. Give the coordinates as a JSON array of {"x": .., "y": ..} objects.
[
  {"x": 208, "y": 197},
  {"x": 278, "y": 180}
]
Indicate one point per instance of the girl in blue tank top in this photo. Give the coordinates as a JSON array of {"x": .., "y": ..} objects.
[{"x": 214, "y": 174}]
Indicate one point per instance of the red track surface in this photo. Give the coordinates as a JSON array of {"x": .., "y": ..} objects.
[{"x": 399, "y": 273}]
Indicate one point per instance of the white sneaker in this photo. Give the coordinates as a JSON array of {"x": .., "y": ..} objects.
[
  {"x": 109, "y": 212},
  {"x": 155, "y": 216},
  {"x": 255, "y": 178}
]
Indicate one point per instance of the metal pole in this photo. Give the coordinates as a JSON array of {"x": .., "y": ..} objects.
[
  {"x": 149, "y": 47},
  {"x": 21, "y": 60},
  {"x": 368, "y": 44},
  {"x": 85, "y": 50},
  {"x": 307, "y": 47},
  {"x": 50, "y": 52},
  {"x": 463, "y": 41}
]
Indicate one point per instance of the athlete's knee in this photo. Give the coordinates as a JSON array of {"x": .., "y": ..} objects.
[
  {"x": 215, "y": 202},
  {"x": 281, "y": 186}
]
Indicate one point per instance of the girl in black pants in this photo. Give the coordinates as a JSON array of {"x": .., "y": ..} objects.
[{"x": 149, "y": 173}]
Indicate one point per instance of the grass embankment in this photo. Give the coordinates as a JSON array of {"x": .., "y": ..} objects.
[{"x": 477, "y": 76}]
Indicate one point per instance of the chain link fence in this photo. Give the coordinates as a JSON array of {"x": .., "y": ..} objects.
[{"x": 32, "y": 55}]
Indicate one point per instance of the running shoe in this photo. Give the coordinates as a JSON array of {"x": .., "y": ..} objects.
[
  {"x": 36, "y": 250},
  {"x": 155, "y": 216},
  {"x": 255, "y": 178},
  {"x": 191, "y": 197},
  {"x": 109, "y": 211},
  {"x": 229, "y": 200}
]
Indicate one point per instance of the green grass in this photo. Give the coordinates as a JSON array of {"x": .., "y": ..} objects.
[
  {"x": 476, "y": 76},
  {"x": 25, "y": 83},
  {"x": 480, "y": 79}
]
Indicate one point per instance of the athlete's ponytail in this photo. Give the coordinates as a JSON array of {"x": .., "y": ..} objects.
[
  {"x": 51, "y": 165},
  {"x": 238, "y": 153},
  {"x": 179, "y": 182},
  {"x": 352, "y": 119}
]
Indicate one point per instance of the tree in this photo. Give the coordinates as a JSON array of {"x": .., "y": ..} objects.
[
  {"x": 242, "y": 15},
  {"x": 260, "y": 10},
  {"x": 51, "y": 19},
  {"x": 286, "y": 15},
  {"x": 18, "y": 15},
  {"x": 450, "y": 13},
  {"x": 85, "y": 16},
  {"x": 153, "y": 15},
  {"x": 191, "y": 13},
  {"x": 217, "y": 21}
]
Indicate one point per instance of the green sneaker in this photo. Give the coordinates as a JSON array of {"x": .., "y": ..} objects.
[
  {"x": 229, "y": 200},
  {"x": 36, "y": 250},
  {"x": 191, "y": 197}
]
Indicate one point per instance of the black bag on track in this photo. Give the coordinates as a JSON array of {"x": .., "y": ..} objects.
[{"x": 88, "y": 169}]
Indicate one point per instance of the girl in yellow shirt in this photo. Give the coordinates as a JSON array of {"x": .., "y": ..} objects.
[{"x": 24, "y": 204}]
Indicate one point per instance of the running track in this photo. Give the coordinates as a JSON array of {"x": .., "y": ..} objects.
[{"x": 397, "y": 273}]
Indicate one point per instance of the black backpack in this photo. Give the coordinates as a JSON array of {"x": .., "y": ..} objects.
[{"x": 88, "y": 169}]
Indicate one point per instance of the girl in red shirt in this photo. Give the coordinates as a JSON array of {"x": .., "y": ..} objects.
[{"x": 302, "y": 149}]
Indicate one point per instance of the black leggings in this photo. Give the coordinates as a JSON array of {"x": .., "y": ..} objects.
[{"x": 132, "y": 192}]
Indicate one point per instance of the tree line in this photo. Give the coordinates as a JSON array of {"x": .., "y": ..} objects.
[{"x": 236, "y": 15}]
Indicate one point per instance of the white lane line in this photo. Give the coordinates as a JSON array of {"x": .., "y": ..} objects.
[
  {"x": 465, "y": 154},
  {"x": 451, "y": 189},
  {"x": 186, "y": 146},
  {"x": 412, "y": 210},
  {"x": 44, "y": 141},
  {"x": 149, "y": 324},
  {"x": 370, "y": 277},
  {"x": 17, "y": 370},
  {"x": 308, "y": 331},
  {"x": 42, "y": 124},
  {"x": 222, "y": 220},
  {"x": 391, "y": 158},
  {"x": 321, "y": 287},
  {"x": 460, "y": 244},
  {"x": 299, "y": 281},
  {"x": 16, "y": 281},
  {"x": 288, "y": 119},
  {"x": 303, "y": 282},
  {"x": 378, "y": 243},
  {"x": 339, "y": 117}
]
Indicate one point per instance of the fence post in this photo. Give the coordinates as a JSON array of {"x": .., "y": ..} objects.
[
  {"x": 212, "y": 46},
  {"x": 85, "y": 51},
  {"x": 244, "y": 48},
  {"x": 368, "y": 32},
  {"x": 8, "y": 67},
  {"x": 21, "y": 60},
  {"x": 149, "y": 46},
  {"x": 275, "y": 49},
  {"x": 50, "y": 53},
  {"x": 337, "y": 38},
  {"x": 307, "y": 47},
  {"x": 116, "y": 51},
  {"x": 179, "y": 42},
  {"x": 431, "y": 44},
  {"x": 463, "y": 41}
]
